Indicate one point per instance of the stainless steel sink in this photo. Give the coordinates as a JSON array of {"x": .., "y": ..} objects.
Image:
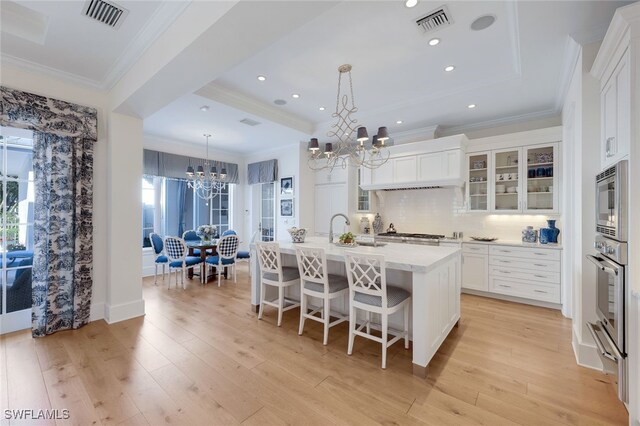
[{"x": 371, "y": 243}]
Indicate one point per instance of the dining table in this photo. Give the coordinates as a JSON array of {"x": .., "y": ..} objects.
[{"x": 207, "y": 248}]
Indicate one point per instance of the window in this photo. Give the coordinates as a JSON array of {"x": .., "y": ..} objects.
[
  {"x": 267, "y": 224},
  {"x": 16, "y": 223},
  {"x": 170, "y": 208}
]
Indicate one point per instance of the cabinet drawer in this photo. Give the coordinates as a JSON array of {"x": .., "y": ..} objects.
[
  {"x": 525, "y": 252},
  {"x": 538, "y": 265},
  {"x": 525, "y": 289},
  {"x": 552, "y": 278},
  {"x": 475, "y": 248}
]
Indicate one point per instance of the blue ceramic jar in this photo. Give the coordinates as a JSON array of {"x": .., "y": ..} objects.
[{"x": 549, "y": 234}]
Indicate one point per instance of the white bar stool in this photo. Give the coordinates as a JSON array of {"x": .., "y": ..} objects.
[
  {"x": 368, "y": 291},
  {"x": 315, "y": 281},
  {"x": 272, "y": 273}
]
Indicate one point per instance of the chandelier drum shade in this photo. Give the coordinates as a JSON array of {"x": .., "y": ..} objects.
[
  {"x": 206, "y": 180},
  {"x": 350, "y": 143}
]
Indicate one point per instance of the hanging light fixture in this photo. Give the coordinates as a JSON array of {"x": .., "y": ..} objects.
[
  {"x": 205, "y": 180},
  {"x": 353, "y": 145}
]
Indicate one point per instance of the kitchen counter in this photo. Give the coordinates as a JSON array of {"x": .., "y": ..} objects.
[
  {"x": 432, "y": 274},
  {"x": 513, "y": 243}
]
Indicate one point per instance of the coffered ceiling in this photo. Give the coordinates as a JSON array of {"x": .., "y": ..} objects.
[{"x": 517, "y": 69}]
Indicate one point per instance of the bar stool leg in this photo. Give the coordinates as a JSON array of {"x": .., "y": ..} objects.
[
  {"x": 261, "y": 310},
  {"x": 352, "y": 328},
  {"x": 406, "y": 326},
  {"x": 326, "y": 315},
  {"x": 280, "y": 304},
  {"x": 303, "y": 312},
  {"x": 385, "y": 320}
]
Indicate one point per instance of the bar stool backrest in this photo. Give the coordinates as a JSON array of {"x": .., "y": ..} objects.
[{"x": 367, "y": 274}]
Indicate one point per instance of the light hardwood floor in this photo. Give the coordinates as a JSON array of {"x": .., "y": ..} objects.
[{"x": 201, "y": 357}]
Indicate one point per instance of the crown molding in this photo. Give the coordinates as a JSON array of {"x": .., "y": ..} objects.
[
  {"x": 250, "y": 105},
  {"x": 571, "y": 54},
  {"x": 160, "y": 21},
  {"x": 418, "y": 134},
  {"x": 505, "y": 121},
  {"x": 52, "y": 72}
]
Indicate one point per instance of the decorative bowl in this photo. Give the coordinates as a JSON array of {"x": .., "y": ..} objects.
[
  {"x": 351, "y": 244},
  {"x": 297, "y": 234},
  {"x": 486, "y": 239}
]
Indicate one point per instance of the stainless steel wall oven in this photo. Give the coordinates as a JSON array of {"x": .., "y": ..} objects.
[{"x": 610, "y": 331}]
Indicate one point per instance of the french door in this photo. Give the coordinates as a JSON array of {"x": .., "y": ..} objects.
[
  {"x": 16, "y": 229},
  {"x": 267, "y": 225}
]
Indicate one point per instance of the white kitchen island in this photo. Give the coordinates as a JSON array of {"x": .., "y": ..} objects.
[{"x": 432, "y": 274}]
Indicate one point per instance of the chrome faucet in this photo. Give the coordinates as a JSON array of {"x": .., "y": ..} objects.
[{"x": 346, "y": 220}]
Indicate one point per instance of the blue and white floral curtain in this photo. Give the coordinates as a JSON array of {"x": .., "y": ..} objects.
[{"x": 64, "y": 135}]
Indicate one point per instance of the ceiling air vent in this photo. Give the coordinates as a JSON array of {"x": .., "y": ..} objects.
[
  {"x": 435, "y": 19},
  {"x": 106, "y": 12},
  {"x": 249, "y": 122}
]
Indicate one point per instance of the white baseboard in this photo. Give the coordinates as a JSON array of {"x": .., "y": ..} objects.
[
  {"x": 124, "y": 311},
  {"x": 150, "y": 270},
  {"x": 586, "y": 354},
  {"x": 97, "y": 311}
]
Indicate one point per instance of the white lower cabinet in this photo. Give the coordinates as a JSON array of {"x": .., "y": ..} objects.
[
  {"x": 475, "y": 265},
  {"x": 525, "y": 272}
]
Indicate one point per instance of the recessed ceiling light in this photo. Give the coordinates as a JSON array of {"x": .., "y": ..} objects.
[
  {"x": 204, "y": 108},
  {"x": 321, "y": 108},
  {"x": 410, "y": 3},
  {"x": 261, "y": 78},
  {"x": 434, "y": 41},
  {"x": 295, "y": 96},
  {"x": 399, "y": 122},
  {"x": 471, "y": 106},
  {"x": 280, "y": 102},
  {"x": 449, "y": 68}
]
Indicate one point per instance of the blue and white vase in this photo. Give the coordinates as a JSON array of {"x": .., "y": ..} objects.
[
  {"x": 549, "y": 234},
  {"x": 529, "y": 235}
]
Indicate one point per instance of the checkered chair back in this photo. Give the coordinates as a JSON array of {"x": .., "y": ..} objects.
[
  {"x": 190, "y": 235},
  {"x": 367, "y": 274},
  {"x": 175, "y": 248},
  {"x": 228, "y": 247},
  {"x": 312, "y": 264},
  {"x": 156, "y": 243}
]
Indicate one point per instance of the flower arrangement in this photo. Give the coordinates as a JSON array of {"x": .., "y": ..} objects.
[{"x": 206, "y": 232}]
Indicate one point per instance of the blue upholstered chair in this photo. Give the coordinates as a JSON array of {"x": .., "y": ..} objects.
[
  {"x": 176, "y": 250},
  {"x": 227, "y": 250},
  {"x": 192, "y": 236},
  {"x": 158, "y": 248}
]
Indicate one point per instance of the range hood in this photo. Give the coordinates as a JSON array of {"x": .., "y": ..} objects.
[{"x": 436, "y": 163}]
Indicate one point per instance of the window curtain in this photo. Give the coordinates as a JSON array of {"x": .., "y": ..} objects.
[
  {"x": 182, "y": 196},
  {"x": 64, "y": 134},
  {"x": 175, "y": 166},
  {"x": 262, "y": 172}
]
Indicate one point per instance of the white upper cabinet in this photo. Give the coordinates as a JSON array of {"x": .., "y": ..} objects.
[
  {"x": 438, "y": 162},
  {"x": 513, "y": 177},
  {"x": 616, "y": 109}
]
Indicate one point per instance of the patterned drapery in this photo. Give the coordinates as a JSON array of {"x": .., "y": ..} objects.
[
  {"x": 64, "y": 134},
  {"x": 63, "y": 252},
  {"x": 39, "y": 113}
]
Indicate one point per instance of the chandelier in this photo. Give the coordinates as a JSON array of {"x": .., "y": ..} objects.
[
  {"x": 206, "y": 182},
  {"x": 353, "y": 145}
]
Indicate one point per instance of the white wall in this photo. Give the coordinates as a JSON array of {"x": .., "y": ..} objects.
[
  {"x": 581, "y": 122},
  {"x": 48, "y": 86}
]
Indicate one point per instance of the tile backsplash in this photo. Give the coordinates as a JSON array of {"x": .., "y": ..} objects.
[{"x": 440, "y": 211}]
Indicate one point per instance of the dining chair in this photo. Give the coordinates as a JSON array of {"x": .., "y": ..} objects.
[
  {"x": 368, "y": 291},
  {"x": 273, "y": 274},
  {"x": 315, "y": 281},
  {"x": 176, "y": 250},
  {"x": 226, "y": 257},
  {"x": 158, "y": 247},
  {"x": 191, "y": 235}
]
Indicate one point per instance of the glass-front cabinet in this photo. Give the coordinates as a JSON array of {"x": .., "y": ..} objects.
[
  {"x": 516, "y": 180},
  {"x": 478, "y": 181},
  {"x": 506, "y": 177},
  {"x": 541, "y": 188}
]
